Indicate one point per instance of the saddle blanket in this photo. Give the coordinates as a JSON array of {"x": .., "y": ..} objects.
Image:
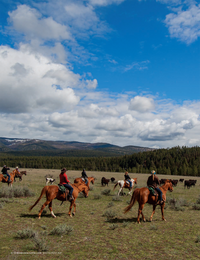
[{"x": 61, "y": 188}]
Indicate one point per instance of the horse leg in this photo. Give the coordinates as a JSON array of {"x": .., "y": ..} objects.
[
  {"x": 130, "y": 191},
  {"x": 119, "y": 191},
  {"x": 162, "y": 211},
  {"x": 74, "y": 211},
  {"x": 141, "y": 206},
  {"x": 51, "y": 210},
  {"x": 154, "y": 209},
  {"x": 70, "y": 208},
  {"x": 42, "y": 208}
]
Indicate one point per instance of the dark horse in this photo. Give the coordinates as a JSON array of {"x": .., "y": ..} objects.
[
  {"x": 104, "y": 181},
  {"x": 52, "y": 192},
  {"x": 19, "y": 175},
  {"x": 143, "y": 195}
]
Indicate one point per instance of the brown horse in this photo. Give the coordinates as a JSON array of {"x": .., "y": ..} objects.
[
  {"x": 124, "y": 184},
  {"x": 19, "y": 175},
  {"x": 142, "y": 196},
  {"x": 90, "y": 179},
  {"x": 52, "y": 192},
  {"x": 5, "y": 179}
]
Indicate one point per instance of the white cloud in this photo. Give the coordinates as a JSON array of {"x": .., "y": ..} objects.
[
  {"x": 141, "y": 104},
  {"x": 105, "y": 2},
  {"x": 32, "y": 82},
  {"x": 185, "y": 25},
  {"x": 29, "y": 22}
]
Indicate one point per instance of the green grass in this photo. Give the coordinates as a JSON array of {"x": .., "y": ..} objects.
[{"x": 100, "y": 228}]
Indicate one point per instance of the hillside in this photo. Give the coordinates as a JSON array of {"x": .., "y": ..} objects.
[{"x": 36, "y": 147}]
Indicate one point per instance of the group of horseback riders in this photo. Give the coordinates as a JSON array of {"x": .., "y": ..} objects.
[{"x": 152, "y": 182}]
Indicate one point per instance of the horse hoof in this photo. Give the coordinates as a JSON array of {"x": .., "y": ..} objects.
[
  {"x": 73, "y": 214},
  {"x": 39, "y": 217},
  {"x": 144, "y": 220}
]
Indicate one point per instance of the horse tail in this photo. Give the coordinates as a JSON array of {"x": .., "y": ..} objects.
[
  {"x": 42, "y": 193},
  {"x": 132, "y": 202},
  {"x": 115, "y": 185}
]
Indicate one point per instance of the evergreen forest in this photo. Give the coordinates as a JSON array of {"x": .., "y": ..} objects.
[{"x": 172, "y": 161}]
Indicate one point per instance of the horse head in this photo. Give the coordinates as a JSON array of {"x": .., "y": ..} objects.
[
  {"x": 92, "y": 180},
  {"x": 85, "y": 191},
  {"x": 170, "y": 185}
]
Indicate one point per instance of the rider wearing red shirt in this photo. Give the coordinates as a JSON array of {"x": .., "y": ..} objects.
[{"x": 64, "y": 181}]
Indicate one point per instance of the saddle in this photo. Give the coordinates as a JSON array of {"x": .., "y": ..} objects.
[
  {"x": 62, "y": 188},
  {"x": 153, "y": 192},
  {"x": 128, "y": 183}
]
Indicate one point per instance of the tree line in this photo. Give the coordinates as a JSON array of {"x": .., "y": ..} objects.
[{"x": 174, "y": 161}]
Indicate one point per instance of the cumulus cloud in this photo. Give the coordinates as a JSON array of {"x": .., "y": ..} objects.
[
  {"x": 141, "y": 104},
  {"x": 32, "y": 82},
  {"x": 185, "y": 25},
  {"x": 30, "y": 22}
]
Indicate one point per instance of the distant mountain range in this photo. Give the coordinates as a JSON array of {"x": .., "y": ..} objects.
[{"x": 35, "y": 147}]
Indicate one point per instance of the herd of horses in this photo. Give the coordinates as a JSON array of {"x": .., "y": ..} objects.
[{"x": 140, "y": 195}]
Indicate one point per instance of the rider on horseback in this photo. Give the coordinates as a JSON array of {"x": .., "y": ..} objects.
[
  {"x": 84, "y": 176},
  {"x": 5, "y": 171},
  {"x": 17, "y": 170},
  {"x": 128, "y": 178},
  {"x": 152, "y": 182},
  {"x": 64, "y": 181}
]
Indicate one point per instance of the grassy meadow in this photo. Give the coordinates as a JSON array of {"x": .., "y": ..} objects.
[{"x": 100, "y": 229}]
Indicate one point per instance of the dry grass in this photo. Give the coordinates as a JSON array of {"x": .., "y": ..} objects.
[{"x": 98, "y": 234}]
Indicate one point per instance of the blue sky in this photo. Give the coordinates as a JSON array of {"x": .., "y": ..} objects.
[{"x": 126, "y": 72}]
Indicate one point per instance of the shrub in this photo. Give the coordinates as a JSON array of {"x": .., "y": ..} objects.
[
  {"x": 40, "y": 244},
  {"x": 27, "y": 192},
  {"x": 178, "y": 204},
  {"x": 109, "y": 214},
  {"x": 6, "y": 200},
  {"x": 116, "y": 198},
  {"x": 113, "y": 226},
  {"x": 16, "y": 192},
  {"x": 25, "y": 233},
  {"x": 198, "y": 200},
  {"x": 110, "y": 204},
  {"x": 196, "y": 206},
  {"x": 97, "y": 196},
  {"x": 153, "y": 227},
  {"x": 61, "y": 229},
  {"x": 125, "y": 224},
  {"x": 106, "y": 192},
  {"x": 6, "y": 192}
]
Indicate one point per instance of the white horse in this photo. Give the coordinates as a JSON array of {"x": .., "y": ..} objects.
[{"x": 125, "y": 184}]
